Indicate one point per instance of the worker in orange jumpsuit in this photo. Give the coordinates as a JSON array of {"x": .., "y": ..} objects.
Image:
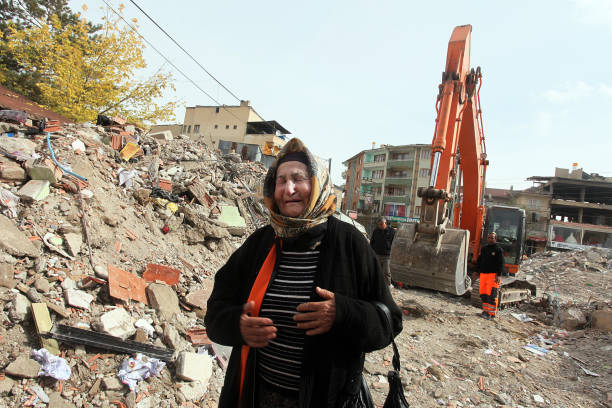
[{"x": 491, "y": 267}]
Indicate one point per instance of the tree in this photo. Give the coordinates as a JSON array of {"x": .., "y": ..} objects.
[
  {"x": 80, "y": 74},
  {"x": 23, "y": 14}
]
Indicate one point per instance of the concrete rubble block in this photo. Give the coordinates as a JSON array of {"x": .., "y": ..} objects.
[
  {"x": 13, "y": 241},
  {"x": 23, "y": 367},
  {"x": 602, "y": 319},
  {"x": 193, "y": 391},
  {"x": 34, "y": 190},
  {"x": 164, "y": 135},
  {"x": 118, "y": 323},
  {"x": 21, "y": 308},
  {"x": 236, "y": 225},
  {"x": 18, "y": 146},
  {"x": 112, "y": 384},
  {"x": 7, "y": 276},
  {"x": 14, "y": 173},
  {"x": 42, "y": 285},
  {"x": 572, "y": 319},
  {"x": 74, "y": 243},
  {"x": 193, "y": 367},
  {"x": 68, "y": 284},
  {"x": 57, "y": 401},
  {"x": 45, "y": 171},
  {"x": 199, "y": 298},
  {"x": 6, "y": 385},
  {"x": 173, "y": 339},
  {"x": 78, "y": 298},
  {"x": 163, "y": 299}
]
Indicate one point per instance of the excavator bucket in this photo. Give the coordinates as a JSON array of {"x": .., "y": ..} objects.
[{"x": 428, "y": 261}]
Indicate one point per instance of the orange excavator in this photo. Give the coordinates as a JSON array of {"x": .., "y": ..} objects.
[{"x": 435, "y": 252}]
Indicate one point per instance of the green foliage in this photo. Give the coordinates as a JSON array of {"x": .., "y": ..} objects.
[{"x": 63, "y": 66}]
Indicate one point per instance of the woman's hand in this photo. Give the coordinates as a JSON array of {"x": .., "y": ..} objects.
[
  {"x": 256, "y": 331},
  {"x": 317, "y": 317}
]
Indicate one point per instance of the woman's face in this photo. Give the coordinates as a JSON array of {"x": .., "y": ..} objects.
[{"x": 292, "y": 190}]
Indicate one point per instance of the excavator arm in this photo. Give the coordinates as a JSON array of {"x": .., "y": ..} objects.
[{"x": 434, "y": 252}]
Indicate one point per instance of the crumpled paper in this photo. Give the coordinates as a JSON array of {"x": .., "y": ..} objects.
[
  {"x": 50, "y": 365},
  {"x": 135, "y": 369}
]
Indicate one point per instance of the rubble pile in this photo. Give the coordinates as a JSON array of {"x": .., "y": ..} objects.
[
  {"x": 109, "y": 231},
  {"x": 573, "y": 286}
]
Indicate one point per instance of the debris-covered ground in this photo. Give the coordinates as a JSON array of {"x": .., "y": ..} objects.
[{"x": 131, "y": 252}]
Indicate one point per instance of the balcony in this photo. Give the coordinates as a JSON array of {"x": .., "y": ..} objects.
[
  {"x": 403, "y": 199},
  {"x": 401, "y": 163},
  {"x": 400, "y": 181},
  {"x": 370, "y": 180},
  {"x": 373, "y": 164},
  {"x": 375, "y": 196}
]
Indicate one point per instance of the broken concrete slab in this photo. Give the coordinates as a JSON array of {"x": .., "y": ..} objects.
[
  {"x": 199, "y": 297},
  {"x": 42, "y": 285},
  {"x": 163, "y": 135},
  {"x": 193, "y": 367},
  {"x": 14, "y": 173},
  {"x": 193, "y": 391},
  {"x": 236, "y": 225},
  {"x": 7, "y": 276},
  {"x": 23, "y": 367},
  {"x": 57, "y": 401},
  {"x": 34, "y": 190},
  {"x": 20, "y": 309},
  {"x": 13, "y": 241},
  {"x": 78, "y": 298},
  {"x": 163, "y": 299},
  {"x": 6, "y": 385},
  {"x": 118, "y": 323},
  {"x": 18, "y": 147},
  {"x": 45, "y": 171},
  {"x": 112, "y": 384},
  {"x": 74, "y": 243}
]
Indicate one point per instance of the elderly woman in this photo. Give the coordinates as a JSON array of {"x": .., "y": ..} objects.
[{"x": 296, "y": 300}]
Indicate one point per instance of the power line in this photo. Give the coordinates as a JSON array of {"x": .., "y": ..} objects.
[
  {"x": 185, "y": 51},
  {"x": 167, "y": 60}
]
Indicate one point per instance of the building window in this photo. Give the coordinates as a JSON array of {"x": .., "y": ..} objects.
[
  {"x": 184, "y": 129},
  {"x": 379, "y": 158},
  {"x": 395, "y": 210},
  {"x": 188, "y": 129},
  {"x": 417, "y": 211},
  {"x": 378, "y": 174},
  {"x": 235, "y": 126},
  {"x": 196, "y": 128},
  {"x": 424, "y": 172},
  {"x": 217, "y": 110},
  {"x": 227, "y": 126},
  {"x": 425, "y": 154},
  {"x": 216, "y": 126}
]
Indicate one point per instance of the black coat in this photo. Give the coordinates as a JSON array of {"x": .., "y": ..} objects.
[
  {"x": 333, "y": 361},
  {"x": 381, "y": 240},
  {"x": 491, "y": 259}
]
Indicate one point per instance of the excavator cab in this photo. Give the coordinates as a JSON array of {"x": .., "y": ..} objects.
[{"x": 509, "y": 225}]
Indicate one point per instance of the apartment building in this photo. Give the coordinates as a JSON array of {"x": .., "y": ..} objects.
[
  {"x": 234, "y": 124},
  {"x": 580, "y": 208},
  {"x": 384, "y": 180}
]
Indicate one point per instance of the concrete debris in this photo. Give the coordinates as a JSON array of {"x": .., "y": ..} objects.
[
  {"x": 164, "y": 300},
  {"x": 23, "y": 367},
  {"x": 78, "y": 298},
  {"x": 194, "y": 367},
  {"x": 118, "y": 323},
  {"x": 34, "y": 190},
  {"x": 14, "y": 242}
]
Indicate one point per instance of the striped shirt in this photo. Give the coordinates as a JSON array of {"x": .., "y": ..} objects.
[{"x": 280, "y": 362}]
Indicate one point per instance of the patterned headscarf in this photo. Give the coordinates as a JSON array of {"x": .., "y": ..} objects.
[{"x": 322, "y": 202}]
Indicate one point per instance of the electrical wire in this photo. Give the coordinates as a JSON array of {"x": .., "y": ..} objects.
[{"x": 184, "y": 50}]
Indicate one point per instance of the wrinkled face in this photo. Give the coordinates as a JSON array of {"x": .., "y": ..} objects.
[
  {"x": 491, "y": 238},
  {"x": 293, "y": 187},
  {"x": 382, "y": 225}
]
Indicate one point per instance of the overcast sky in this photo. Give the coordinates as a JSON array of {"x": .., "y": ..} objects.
[{"x": 343, "y": 74}]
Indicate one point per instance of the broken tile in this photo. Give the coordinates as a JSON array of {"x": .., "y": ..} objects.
[
  {"x": 155, "y": 272},
  {"x": 125, "y": 285}
]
